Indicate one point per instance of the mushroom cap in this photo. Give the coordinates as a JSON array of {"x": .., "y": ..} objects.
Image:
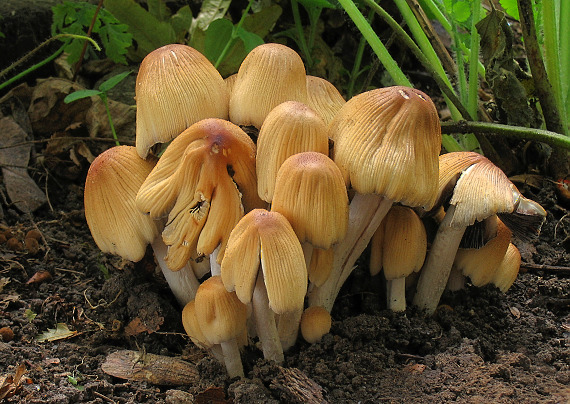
[
  {"x": 267, "y": 238},
  {"x": 111, "y": 186},
  {"x": 311, "y": 194},
  {"x": 376, "y": 250},
  {"x": 480, "y": 264},
  {"x": 321, "y": 265},
  {"x": 291, "y": 127},
  {"x": 192, "y": 179},
  {"x": 176, "y": 86},
  {"x": 508, "y": 270},
  {"x": 385, "y": 139},
  {"x": 191, "y": 326},
  {"x": 315, "y": 322},
  {"x": 405, "y": 243},
  {"x": 220, "y": 314},
  {"x": 324, "y": 97},
  {"x": 269, "y": 75}
]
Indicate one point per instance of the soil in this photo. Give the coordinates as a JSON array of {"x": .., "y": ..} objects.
[{"x": 481, "y": 346}]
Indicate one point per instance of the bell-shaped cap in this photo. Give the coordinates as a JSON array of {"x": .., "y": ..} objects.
[
  {"x": 387, "y": 139},
  {"x": 324, "y": 98},
  {"x": 269, "y": 75},
  {"x": 176, "y": 86},
  {"x": 311, "y": 194},
  {"x": 315, "y": 323},
  {"x": 111, "y": 186},
  {"x": 405, "y": 243},
  {"x": 508, "y": 270},
  {"x": 196, "y": 184},
  {"x": 291, "y": 127},
  {"x": 220, "y": 314},
  {"x": 191, "y": 326},
  {"x": 266, "y": 238}
]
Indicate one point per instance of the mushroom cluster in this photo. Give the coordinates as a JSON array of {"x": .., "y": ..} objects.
[{"x": 257, "y": 229}]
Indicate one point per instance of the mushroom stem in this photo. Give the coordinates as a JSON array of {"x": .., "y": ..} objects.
[
  {"x": 232, "y": 358},
  {"x": 456, "y": 280},
  {"x": 265, "y": 323},
  {"x": 365, "y": 215},
  {"x": 435, "y": 272},
  {"x": 215, "y": 268},
  {"x": 182, "y": 283},
  {"x": 288, "y": 328},
  {"x": 396, "y": 294}
]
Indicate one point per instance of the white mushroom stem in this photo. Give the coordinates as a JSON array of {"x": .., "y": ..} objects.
[
  {"x": 435, "y": 272},
  {"x": 183, "y": 283},
  {"x": 288, "y": 328},
  {"x": 215, "y": 268},
  {"x": 232, "y": 358},
  {"x": 396, "y": 294},
  {"x": 265, "y": 323},
  {"x": 456, "y": 280},
  {"x": 365, "y": 215}
]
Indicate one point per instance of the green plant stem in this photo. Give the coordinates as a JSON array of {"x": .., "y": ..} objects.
[
  {"x": 377, "y": 46},
  {"x": 300, "y": 32},
  {"x": 103, "y": 97},
  {"x": 355, "y": 72},
  {"x": 552, "y": 138},
  {"x": 473, "y": 91},
  {"x": 543, "y": 87},
  {"x": 89, "y": 31},
  {"x": 234, "y": 36},
  {"x": 564, "y": 49}
]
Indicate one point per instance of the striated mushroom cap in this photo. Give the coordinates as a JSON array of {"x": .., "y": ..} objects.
[
  {"x": 324, "y": 98},
  {"x": 111, "y": 186},
  {"x": 192, "y": 328},
  {"x": 387, "y": 139},
  {"x": 176, "y": 86},
  {"x": 508, "y": 269},
  {"x": 269, "y": 75},
  {"x": 198, "y": 174},
  {"x": 266, "y": 238},
  {"x": 291, "y": 127}
]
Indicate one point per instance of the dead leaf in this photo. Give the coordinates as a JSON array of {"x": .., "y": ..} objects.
[
  {"x": 3, "y": 282},
  {"x": 533, "y": 180},
  {"x": 12, "y": 385},
  {"x": 138, "y": 326},
  {"x": 156, "y": 369},
  {"x": 39, "y": 277},
  {"x": 59, "y": 332},
  {"x": 415, "y": 368},
  {"x": 212, "y": 395},
  {"x": 14, "y": 157}
]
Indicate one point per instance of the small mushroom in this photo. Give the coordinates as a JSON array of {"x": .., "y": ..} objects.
[
  {"x": 315, "y": 323},
  {"x": 324, "y": 98},
  {"x": 176, "y": 86},
  {"x": 508, "y": 269},
  {"x": 269, "y": 75},
  {"x": 264, "y": 264}
]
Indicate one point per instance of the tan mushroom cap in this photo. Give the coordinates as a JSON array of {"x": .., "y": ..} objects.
[
  {"x": 376, "y": 250},
  {"x": 315, "y": 323},
  {"x": 111, "y": 186},
  {"x": 191, "y": 326},
  {"x": 266, "y": 238},
  {"x": 480, "y": 264},
  {"x": 324, "y": 97},
  {"x": 269, "y": 75},
  {"x": 405, "y": 243},
  {"x": 192, "y": 179},
  {"x": 387, "y": 139},
  {"x": 291, "y": 127},
  {"x": 508, "y": 270},
  {"x": 311, "y": 194},
  {"x": 220, "y": 314},
  {"x": 176, "y": 86}
]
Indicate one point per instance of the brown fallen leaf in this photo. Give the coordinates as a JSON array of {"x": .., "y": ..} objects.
[
  {"x": 150, "y": 324},
  {"x": 156, "y": 369},
  {"x": 415, "y": 368},
  {"x": 39, "y": 277},
  {"x": 212, "y": 395},
  {"x": 59, "y": 332},
  {"x": 10, "y": 385}
]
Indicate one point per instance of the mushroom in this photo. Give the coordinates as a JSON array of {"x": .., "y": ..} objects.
[
  {"x": 324, "y": 98},
  {"x": 221, "y": 317},
  {"x": 117, "y": 226},
  {"x": 315, "y": 323},
  {"x": 176, "y": 86},
  {"x": 508, "y": 269},
  {"x": 386, "y": 143},
  {"x": 403, "y": 246},
  {"x": 200, "y": 182},
  {"x": 193, "y": 330},
  {"x": 264, "y": 264},
  {"x": 291, "y": 127},
  {"x": 269, "y": 75},
  {"x": 479, "y": 190}
]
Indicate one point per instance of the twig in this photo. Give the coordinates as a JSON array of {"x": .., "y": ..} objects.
[
  {"x": 95, "y": 393},
  {"x": 89, "y": 31},
  {"x": 554, "y": 269}
]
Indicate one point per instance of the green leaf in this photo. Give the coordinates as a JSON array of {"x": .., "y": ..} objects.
[
  {"x": 218, "y": 34},
  {"x": 316, "y": 3},
  {"x": 461, "y": 11},
  {"x": 78, "y": 95},
  {"x": 148, "y": 32},
  {"x": 511, "y": 7},
  {"x": 116, "y": 40},
  {"x": 250, "y": 40},
  {"x": 113, "y": 81},
  {"x": 59, "y": 332},
  {"x": 30, "y": 315},
  {"x": 210, "y": 11},
  {"x": 159, "y": 10},
  {"x": 181, "y": 22}
]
